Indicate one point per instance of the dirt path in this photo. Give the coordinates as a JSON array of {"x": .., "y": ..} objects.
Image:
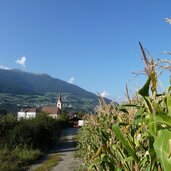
[{"x": 66, "y": 148}]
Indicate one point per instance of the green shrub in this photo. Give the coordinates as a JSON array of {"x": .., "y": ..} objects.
[
  {"x": 17, "y": 159},
  {"x": 7, "y": 124},
  {"x": 45, "y": 131},
  {"x": 22, "y": 135},
  {"x": 39, "y": 132},
  {"x": 27, "y": 156},
  {"x": 22, "y": 142},
  {"x": 9, "y": 161}
]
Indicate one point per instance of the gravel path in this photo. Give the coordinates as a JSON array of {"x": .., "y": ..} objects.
[{"x": 66, "y": 148}]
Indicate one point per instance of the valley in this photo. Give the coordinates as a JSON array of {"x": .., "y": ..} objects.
[
  {"x": 20, "y": 89},
  {"x": 12, "y": 103}
]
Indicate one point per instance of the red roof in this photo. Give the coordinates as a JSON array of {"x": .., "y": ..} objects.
[
  {"x": 29, "y": 110},
  {"x": 51, "y": 110}
]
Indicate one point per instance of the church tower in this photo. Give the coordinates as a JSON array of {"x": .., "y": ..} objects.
[{"x": 59, "y": 102}]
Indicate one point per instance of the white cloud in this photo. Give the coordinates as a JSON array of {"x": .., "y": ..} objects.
[
  {"x": 21, "y": 61},
  {"x": 166, "y": 52},
  {"x": 104, "y": 94},
  {"x": 71, "y": 80},
  {"x": 4, "y": 67},
  {"x": 168, "y": 20}
]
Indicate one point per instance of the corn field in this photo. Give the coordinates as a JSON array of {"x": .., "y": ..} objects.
[{"x": 134, "y": 136}]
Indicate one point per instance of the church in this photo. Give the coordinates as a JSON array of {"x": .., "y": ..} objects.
[{"x": 54, "y": 111}]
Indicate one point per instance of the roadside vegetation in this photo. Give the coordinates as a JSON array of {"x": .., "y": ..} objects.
[
  {"x": 23, "y": 142},
  {"x": 135, "y": 136},
  {"x": 51, "y": 161}
]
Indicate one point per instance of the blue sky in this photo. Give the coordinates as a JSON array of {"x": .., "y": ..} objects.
[{"x": 92, "y": 42}]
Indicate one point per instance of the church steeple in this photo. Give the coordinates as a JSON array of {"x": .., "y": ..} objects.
[{"x": 59, "y": 102}]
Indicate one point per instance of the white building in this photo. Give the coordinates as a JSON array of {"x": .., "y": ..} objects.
[{"x": 27, "y": 113}]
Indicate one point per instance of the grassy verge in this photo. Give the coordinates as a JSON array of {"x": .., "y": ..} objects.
[
  {"x": 52, "y": 161},
  {"x": 17, "y": 159}
]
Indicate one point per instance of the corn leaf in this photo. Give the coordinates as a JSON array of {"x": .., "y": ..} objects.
[
  {"x": 125, "y": 143},
  {"x": 158, "y": 108},
  {"x": 169, "y": 101},
  {"x": 148, "y": 104},
  {"x": 124, "y": 107},
  {"x": 144, "y": 91},
  {"x": 98, "y": 152},
  {"x": 162, "y": 118},
  {"x": 138, "y": 116},
  {"x": 162, "y": 149}
]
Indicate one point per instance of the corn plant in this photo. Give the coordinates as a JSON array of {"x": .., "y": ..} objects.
[{"x": 130, "y": 137}]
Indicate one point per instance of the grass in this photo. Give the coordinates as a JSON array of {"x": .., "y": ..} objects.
[
  {"x": 52, "y": 161},
  {"x": 17, "y": 159},
  {"x": 27, "y": 156},
  {"x": 81, "y": 169}
]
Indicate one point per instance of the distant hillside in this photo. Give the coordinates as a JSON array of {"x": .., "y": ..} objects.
[{"x": 41, "y": 89}]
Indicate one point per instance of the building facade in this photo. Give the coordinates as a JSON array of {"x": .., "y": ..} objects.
[{"x": 26, "y": 113}]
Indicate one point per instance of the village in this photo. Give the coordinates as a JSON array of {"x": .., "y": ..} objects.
[{"x": 52, "y": 111}]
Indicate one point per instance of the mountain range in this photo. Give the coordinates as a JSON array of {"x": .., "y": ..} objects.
[{"x": 20, "y": 89}]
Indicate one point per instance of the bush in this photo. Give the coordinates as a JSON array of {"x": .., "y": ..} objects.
[
  {"x": 22, "y": 142},
  {"x": 8, "y": 161},
  {"x": 21, "y": 135},
  {"x": 7, "y": 125},
  {"x": 17, "y": 159},
  {"x": 39, "y": 132}
]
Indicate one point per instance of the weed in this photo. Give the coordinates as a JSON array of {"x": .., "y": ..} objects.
[{"x": 49, "y": 163}]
